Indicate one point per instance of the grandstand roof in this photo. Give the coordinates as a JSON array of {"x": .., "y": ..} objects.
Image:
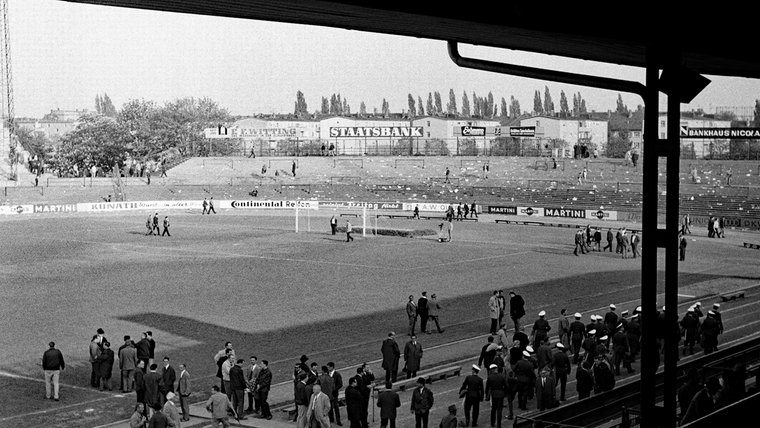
[{"x": 609, "y": 32}]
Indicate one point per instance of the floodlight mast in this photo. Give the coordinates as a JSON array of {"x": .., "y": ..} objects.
[{"x": 667, "y": 238}]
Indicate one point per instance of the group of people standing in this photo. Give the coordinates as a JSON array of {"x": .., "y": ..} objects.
[
  {"x": 156, "y": 388},
  {"x": 426, "y": 309},
  {"x": 238, "y": 380},
  {"x": 587, "y": 239}
]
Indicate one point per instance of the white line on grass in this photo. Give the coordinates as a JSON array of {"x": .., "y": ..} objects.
[
  {"x": 230, "y": 254},
  {"x": 15, "y": 376}
]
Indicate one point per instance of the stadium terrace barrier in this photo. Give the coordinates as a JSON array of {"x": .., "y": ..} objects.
[
  {"x": 732, "y": 295},
  {"x": 607, "y": 405},
  {"x": 442, "y": 373}
]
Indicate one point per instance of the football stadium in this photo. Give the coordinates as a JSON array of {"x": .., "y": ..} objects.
[{"x": 178, "y": 266}]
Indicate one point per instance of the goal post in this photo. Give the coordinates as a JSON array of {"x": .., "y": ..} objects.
[
  {"x": 472, "y": 163},
  {"x": 348, "y": 162},
  {"x": 418, "y": 162}
]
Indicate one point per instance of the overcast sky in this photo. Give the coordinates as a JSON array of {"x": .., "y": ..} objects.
[{"x": 64, "y": 54}]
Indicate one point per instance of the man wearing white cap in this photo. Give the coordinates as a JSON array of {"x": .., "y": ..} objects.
[
  {"x": 562, "y": 367},
  {"x": 589, "y": 345},
  {"x": 710, "y": 330},
  {"x": 689, "y": 328},
  {"x": 718, "y": 317},
  {"x": 472, "y": 391},
  {"x": 526, "y": 378},
  {"x": 496, "y": 390},
  {"x": 577, "y": 334},
  {"x": 621, "y": 350},
  {"x": 540, "y": 329}
]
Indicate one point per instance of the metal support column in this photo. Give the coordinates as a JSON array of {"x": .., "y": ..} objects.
[
  {"x": 649, "y": 352},
  {"x": 672, "y": 154}
]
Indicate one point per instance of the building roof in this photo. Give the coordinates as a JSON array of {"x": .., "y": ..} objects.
[{"x": 525, "y": 26}]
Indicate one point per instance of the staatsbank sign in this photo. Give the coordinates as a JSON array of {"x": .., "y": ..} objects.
[{"x": 375, "y": 131}]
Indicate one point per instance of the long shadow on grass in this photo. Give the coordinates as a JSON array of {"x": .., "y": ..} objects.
[{"x": 348, "y": 341}]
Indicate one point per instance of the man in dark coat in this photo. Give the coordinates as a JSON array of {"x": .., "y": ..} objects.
[
  {"x": 704, "y": 402},
  {"x": 584, "y": 381},
  {"x": 496, "y": 390},
  {"x": 621, "y": 350},
  {"x": 516, "y": 309},
  {"x": 238, "y": 385},
  {"x": 106, "y": 360},
  {"x": 264, "y": 383},
  {"x": 152, "y": 391},
  {"x": 388, "y": 401},
  {"x": 540, "y": 330},
  {"x": 140, "y": 382},
  {"x": 633, "y": 331},
  {"x": 472, "y": 389},
  {"x": 611, "y": 320},
  {"x": 143, "y": 351},
  {"x": 364, "y": 379},
  {"x": 562, "y": 367},
  {"x": 526, "y": 378},
  {"x": 337, "y": 386},
  {"x": 354, "y": 402},
  {"x": 412, "y": 357},
  {"x": 391, "y": 355},
  {"x": 688, "y": 390},
  {"x": 689, "y": 330},
  {"x": 422, "y": 402},
  {"x": 422, "y": 311},
  {"x": 609, "y": 240},
  {"x": 710, "y": 329},
  {"x": 577, "y": 333},
  {"x": 546, "y": 390},
  {"x": 488, "y": 353}
]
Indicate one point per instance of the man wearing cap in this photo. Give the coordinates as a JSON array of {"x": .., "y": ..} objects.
[
  {"x": 472, "y": 390},
  {"x": 718, "y": 317},
  {"x": 450, "y": 420},
  {"x": 540, "y": 329},
  {"x": 620, "y": 350},
  {"x": 689, "y": 330},
  {"x": 516, "y": 308},
  {"x": 633, "y": 331},
  {"x": 422, "y": 402},
  {"x": 602, "y": 330},
  {"x": 525, "y": 380},
  {"x": 391, "y": 355},
  {"x": 624, "y": 319},
  {"x": 710, "y": 330},
  {"x": 562, "y": 367},
  {"x": 496, "y": 390},
  {"x": 592, "y": 324},
  {"x": 589, "y": 346},
  {"x": 698, "y": 311},
  {"x": 577, "y": 332},
  {"x": 412, "y": 357},
  {"x": 52, "y": 364}
]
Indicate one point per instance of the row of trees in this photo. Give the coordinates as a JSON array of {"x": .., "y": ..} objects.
[
  {"x": 140, "y": 131},
  {"x": 476, "y": 106}
]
